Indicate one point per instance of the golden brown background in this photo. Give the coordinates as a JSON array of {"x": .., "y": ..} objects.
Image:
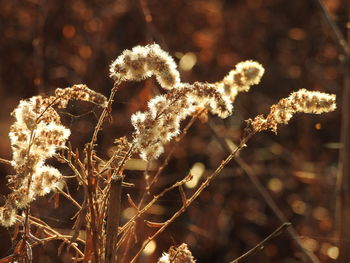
[{"x": 47, "y": 44}]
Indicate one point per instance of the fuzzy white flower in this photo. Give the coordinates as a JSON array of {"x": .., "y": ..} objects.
[
  {"x": 300, "y": 101},
  {"x": 35, "y": 136},
  {"x": 246, "y": 74},
  {"x": 144, "y": 61}
]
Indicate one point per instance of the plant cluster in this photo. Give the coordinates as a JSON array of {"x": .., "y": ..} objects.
[{"x": 38, "y": 135}]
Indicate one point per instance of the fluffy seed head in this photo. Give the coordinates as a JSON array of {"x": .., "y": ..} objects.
[
  {"x": 78, "y": 92},
  {"x": 144, "y": 61},
  {"x": 161, "y": 123},
  {"x": 180, "y": 254},
  {"x": 45, "y": 180},
  {"x": 312, "y": 101},
  {"x": 300, "y": 101},
  {"x": 35, "y": 136},
  {"x": 7, "y": 215},
  {"x": 246, "y": 74}
]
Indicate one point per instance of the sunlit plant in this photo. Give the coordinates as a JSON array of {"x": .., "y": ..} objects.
[{"x": 38, "y": 135}]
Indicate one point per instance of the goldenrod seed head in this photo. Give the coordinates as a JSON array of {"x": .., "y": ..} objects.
[
  {"x": 144, "y": 61},
  {"x": 245, "y": 74},
  {"x": 7, "y": 215},
  {"x": 312, "y": 101},
  {"x": 300, "y": 101},
  {"x": 180, "y": 254}
]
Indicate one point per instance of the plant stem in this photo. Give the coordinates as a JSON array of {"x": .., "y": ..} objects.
[
  {"x": 262, "y": 244},
  {"x": 91, "y": 191},
  {"x": 104, "y": 113},
  {"x": 4, "y": 161},
  {"x": 113, "y": 215},
  {"x": 199, "y": 190},
  {"x": 265, "y": 195},
  {"x": 343, "y": 178},
  {"x": 335, "y": 29}
]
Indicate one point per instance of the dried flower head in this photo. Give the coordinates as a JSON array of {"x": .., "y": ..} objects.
[
  {"x": 312, "y": 101},
  {"x": 210, "y": 96},
  {"x": 246, "y": 74},
  {"x": 157, "y": 126},
  {"x": 299, "y": 101},
  {"x": 144, "y": 61},
  {"x": 45, "y": 179},
  {"x": 79, "y": 92},
  {"x": 36, "y": 133},
  {"x": 180, "y": 254},
  {"x": 35, "y": 136},
  {"x": 7, "y": 215}
]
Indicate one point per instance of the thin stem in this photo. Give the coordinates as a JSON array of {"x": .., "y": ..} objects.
[
  {"x": 104, "y": 113},
  {"x": 128, "y": 236},
  {"x": 343, "y": 177},
  {"x": 265, "y": 195},
  {"x": 147, "y": 185},
  {"x": 168, "y": 156},
  {"x": 26, "y": 226},
  {"x": 199, "y": 190},
  {"x": 170, "y": 153},
  {"x": 72, "y": 166},
  {"x": 262, "y": 244},
  {"x": 69, "y": 197},
  {"x": 39, "y": 223},
  {"x": 4, "y": 161},
  {"x": 151, "y": 203},
  {"x": 335, "y": 29}
]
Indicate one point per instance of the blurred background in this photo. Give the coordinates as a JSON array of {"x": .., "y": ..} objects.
[{"x": 49, "y": 44}]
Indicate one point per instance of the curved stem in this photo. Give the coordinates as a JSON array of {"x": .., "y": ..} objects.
[{"x": 189, "y": 201}]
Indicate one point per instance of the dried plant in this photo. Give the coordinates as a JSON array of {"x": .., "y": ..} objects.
[
  {"x": 299, "y": 101},
  {"x": 180, "y": 254},
  {"x": 38, "y": 135}
]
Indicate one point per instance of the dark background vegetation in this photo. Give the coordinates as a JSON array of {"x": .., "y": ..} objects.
[{"x": 47, "y": 44}]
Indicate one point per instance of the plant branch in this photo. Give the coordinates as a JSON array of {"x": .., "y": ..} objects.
[
  {"x": 188, "y": 202},
  {"x": 343, "y": 176},
  {"x": 168, "y": 156},
  {"x": 113, "y": 215},
  {"x": 91, "y": 190},
  {"x": 151, "y": 203},
  {"x": 335, "y": 29},
  {"x": 265, "y": 194},
  {"x": 104, "y": 113},
  {"x": 262, "y": 244},
  {"x": 69, "y": 197},
  {"x": 4, "y": 161}
]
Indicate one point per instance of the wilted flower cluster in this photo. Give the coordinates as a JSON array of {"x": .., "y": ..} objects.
[
  {"x": 299, "y": 101},
  {"x": 144, "y": 61},
  {"x": 158, "y": 125},
  {"x": 35, "y": 136},
  {"x": 161, "y": 122},
  {"x": 180, "y": 254},
  {"x": 245, "y": 74},
  {"x": 78, "y": 92}
]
